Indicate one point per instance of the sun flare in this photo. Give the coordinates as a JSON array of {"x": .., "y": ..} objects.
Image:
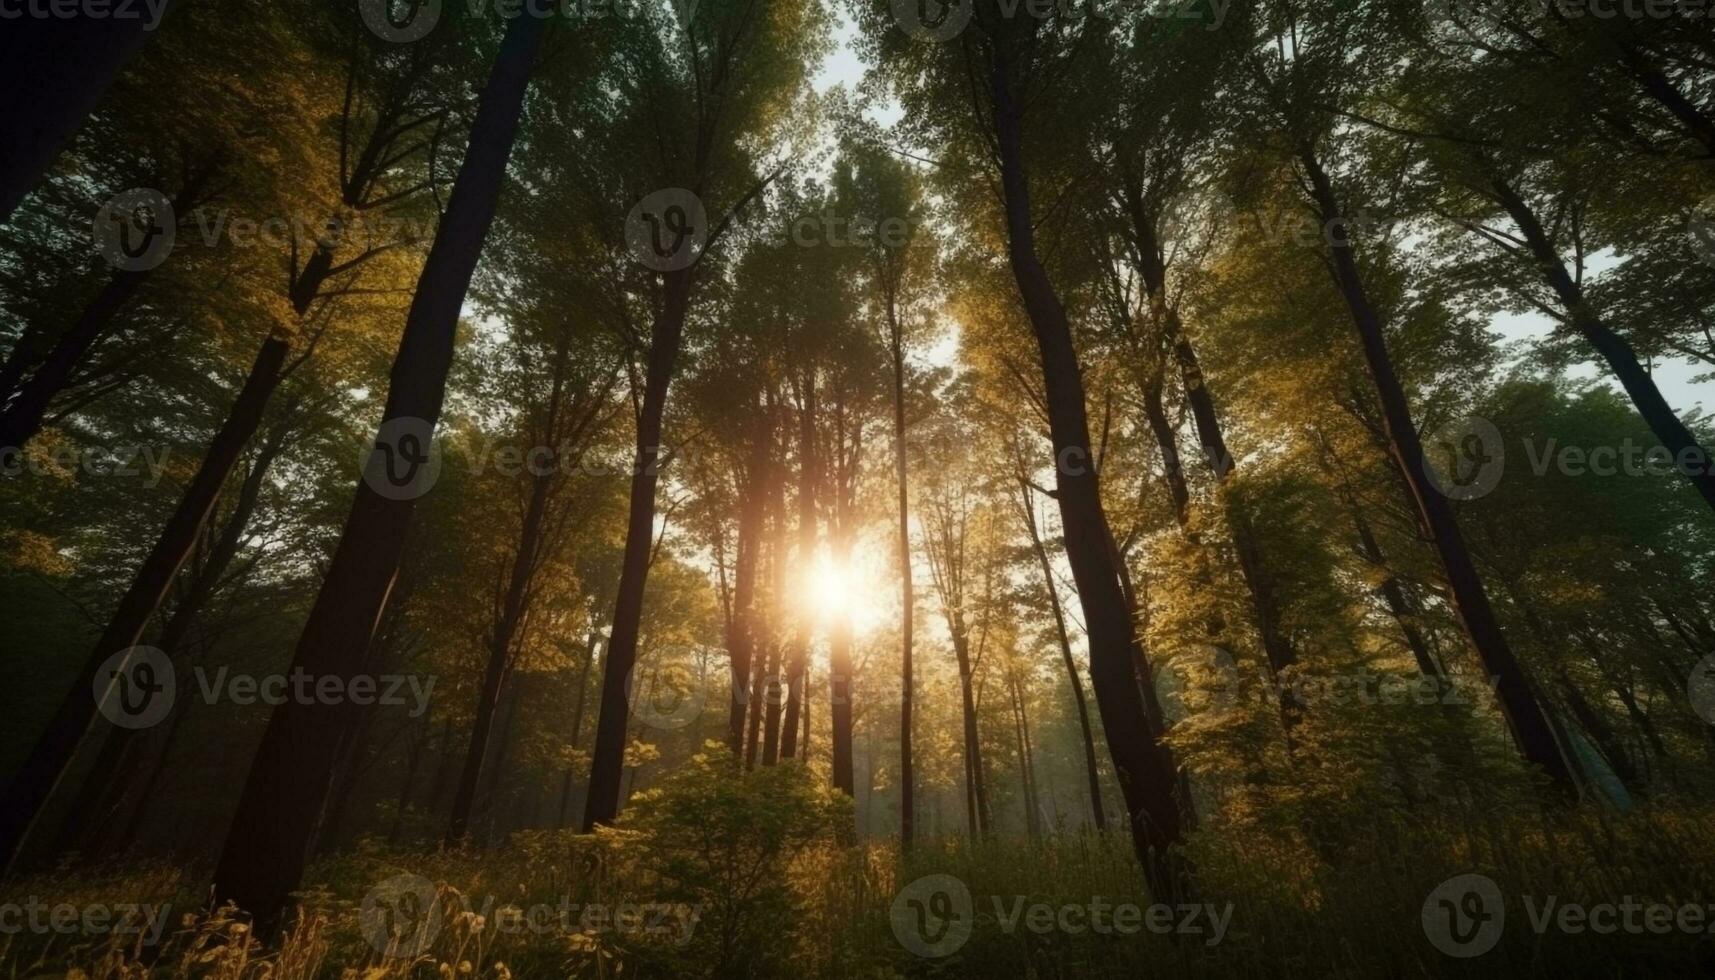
[{"x": 843, "y": 591}]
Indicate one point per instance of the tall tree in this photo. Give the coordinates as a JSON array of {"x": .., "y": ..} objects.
[
  {"x": 289, "y": 782},
  {"x": 726, "y": 80},
  {"x": 55, "y": 70},
  {"x": 1005, "y": 62}
]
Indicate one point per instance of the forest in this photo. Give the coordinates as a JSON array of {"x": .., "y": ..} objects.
[{"x": 857, "y": 489}]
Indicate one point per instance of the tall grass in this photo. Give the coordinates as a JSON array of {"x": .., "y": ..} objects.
[{"x": 1353, "y": 910}]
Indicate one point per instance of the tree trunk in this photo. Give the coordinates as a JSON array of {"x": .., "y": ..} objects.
[
  {"x": 112, "y": 776},
  {"x": 1173, "y": 468},
  {"x": 26, "y": 353},
  {"x": 1145, "y": 780},
  {"x": 1212, "y": 438},
  {"x": 1602, "y": 733},
  {"x": 288, "y": 785},
  {"x": 607, "y": 763},
  {"x": 46, "y": 765},
  {"x": 1398, "y": 604},
  {"x": 907, "y": 695},
  {"x": 502, "y": 638},
  {"x": 976, "y": 793},
  {"x": 772, "y": 693},
  {"x": 413, "y": 760},
  {"x": 1668, "y": 95},
  {"x": 132, "y": 826},
  {"x": 1519, "y": 703},
  {"x": 489, "y": 809},
  {"x": 1091, "y": 768},
  {"x": 1026, "y": 781},
  {"x": 476, "y": 752},
  {"x": 742, "y": 643},
  {"x": 840, "y": 706},
  {"x": 1030, "y": 762},
  {"x": 796, "y": 689},
  {"x": 844, "y": 476},
  {"x": 760, "y": 666},
  {"x": 1691, "y": 459},
  {"x": 54, "y": 72},
  {"x": 24, "y": 415},
  {"x": 577, "y": 729},
  {"x": 348, "y": 775},
  {"x": 443, "y": 768}
]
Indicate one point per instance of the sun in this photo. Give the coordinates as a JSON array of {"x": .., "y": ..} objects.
[
  {"x": 830, "y": 588},
  {"x": 842, "y": 591}
]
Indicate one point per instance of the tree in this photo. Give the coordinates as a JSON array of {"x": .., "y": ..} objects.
[
  {"x": 57, "y": 69},
  {"x": 289, "y": 781},
  {"x": 753, "y": 55},
  {"x": 1007, "y": 57},
  {"x": 882, "y": 195}
]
